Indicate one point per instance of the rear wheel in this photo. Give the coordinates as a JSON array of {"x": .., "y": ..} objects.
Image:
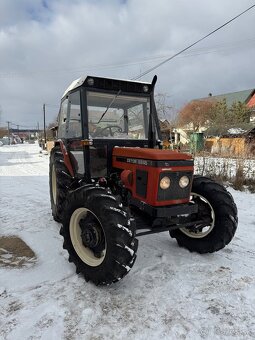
[
  {"x": 99, "y": 235},
  {"x": 217, "y": 208},
  {"x": 60, "y": 180}
]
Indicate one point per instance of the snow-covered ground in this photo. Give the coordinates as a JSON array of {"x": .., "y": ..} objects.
[{"x": 169, "y": 294}]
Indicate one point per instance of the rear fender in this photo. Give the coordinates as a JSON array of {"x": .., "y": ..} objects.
[{"x": 66, "y": 156}]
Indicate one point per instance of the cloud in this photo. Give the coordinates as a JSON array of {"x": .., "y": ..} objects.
[{"x": 46, "y": 44}]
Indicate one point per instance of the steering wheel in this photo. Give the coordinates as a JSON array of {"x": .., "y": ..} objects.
[{"x": 101, "y": 132}]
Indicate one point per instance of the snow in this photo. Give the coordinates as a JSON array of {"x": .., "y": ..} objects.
[
  {"x": 236, "y": 131},
  {"x": 170, "y": 293},
  {"x": 120, "y": 226},
  {"x": 224, "y": 166}
]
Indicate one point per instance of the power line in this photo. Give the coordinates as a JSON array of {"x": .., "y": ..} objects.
[
  {"x": 142, "y": 60},
  {"x": 188, "y": 47}
]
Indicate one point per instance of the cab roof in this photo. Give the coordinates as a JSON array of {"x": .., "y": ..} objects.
[{"x": 84, "y": 81}]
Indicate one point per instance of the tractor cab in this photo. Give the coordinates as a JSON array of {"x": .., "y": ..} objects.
[{"x": 98, "y": 114}]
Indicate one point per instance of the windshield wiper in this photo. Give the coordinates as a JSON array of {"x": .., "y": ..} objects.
[{"x": 113, "y": 100}]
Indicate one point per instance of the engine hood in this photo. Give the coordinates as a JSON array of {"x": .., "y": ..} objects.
[{"x": 150, "y": 154}]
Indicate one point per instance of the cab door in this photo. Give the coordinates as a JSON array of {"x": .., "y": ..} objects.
[{"x": 73, "y": 132}]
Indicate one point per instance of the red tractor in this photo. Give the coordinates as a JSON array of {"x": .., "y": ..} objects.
[{"x": 110, "y": 181}]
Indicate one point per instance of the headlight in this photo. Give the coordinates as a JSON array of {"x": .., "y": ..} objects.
[
  {"x": 184, "y": 182},
  {"x": 164, "y": 183},
  {"x": 145, "y": 88}
]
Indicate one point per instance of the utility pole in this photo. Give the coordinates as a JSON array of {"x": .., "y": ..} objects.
[
  {"x": 44, "y": 126},
  {"x": 8, "y": 132},
  {"x": 38, "y": 131}
]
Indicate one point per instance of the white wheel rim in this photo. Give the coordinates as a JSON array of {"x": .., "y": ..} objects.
[
  {"x": 84, "y": 253},
  {"x": 54, "y": 184},
  {"x": 207, "y": 229}
]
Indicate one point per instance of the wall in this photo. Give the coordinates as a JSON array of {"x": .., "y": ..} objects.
[
  {"x": 49, "y": 145},
  {"x": 226, "y": 146}
]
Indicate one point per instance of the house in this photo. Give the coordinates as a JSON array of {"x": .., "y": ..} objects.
[
  {"x": 170, "y": 136},
  {"x": 233, "y": 141},
  {"x": 245, "y": 97},
  {"x": 165, "y": 128},
  {"x": 251, "y": 105}
]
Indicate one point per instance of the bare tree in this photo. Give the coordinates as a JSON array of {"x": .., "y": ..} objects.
[
  {"x": 165, "y": 111},
  {"x": 197, "y": 114}
]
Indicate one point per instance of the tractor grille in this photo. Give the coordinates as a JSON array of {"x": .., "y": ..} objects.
[
  {"x": 141, "y": 182},
  {"x": 174, "y": 191}
]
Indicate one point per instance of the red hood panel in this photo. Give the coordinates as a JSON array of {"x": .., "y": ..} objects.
[{"x": 151, "y": 154}]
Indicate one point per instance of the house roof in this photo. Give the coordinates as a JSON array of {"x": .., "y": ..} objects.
[
  {"x": 251, "y": 102},
  {"x": 239, "y": 130},
  {"x": 165, "y": 125},
  {"x": 232, "y": 97}
]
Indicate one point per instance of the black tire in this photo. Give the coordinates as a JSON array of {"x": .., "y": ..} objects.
[
  {"x": 112, "y": 252},
  {"x": 60, "y": 181},
  {"x": 213, "y": 199}
]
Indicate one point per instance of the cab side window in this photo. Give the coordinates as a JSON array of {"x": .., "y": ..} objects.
[
  {"x": 62, "y": 119},
  {"x": 73, "y": 128}
]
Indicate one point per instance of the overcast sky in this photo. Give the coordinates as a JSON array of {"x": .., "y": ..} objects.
[{"x": 46, "y": 44}]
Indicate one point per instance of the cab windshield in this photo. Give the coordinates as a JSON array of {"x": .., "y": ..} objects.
[{"x": 117, "y": 116}]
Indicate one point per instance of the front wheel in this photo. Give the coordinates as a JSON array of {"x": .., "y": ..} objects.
[
  {"x": 99, "y": 235},
  {"x": 217, "y": 208}
]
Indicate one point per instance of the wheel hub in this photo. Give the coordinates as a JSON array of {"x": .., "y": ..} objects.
[
  {"x": 205, "y": 213},
  {"x": 91, "y": 235}
]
